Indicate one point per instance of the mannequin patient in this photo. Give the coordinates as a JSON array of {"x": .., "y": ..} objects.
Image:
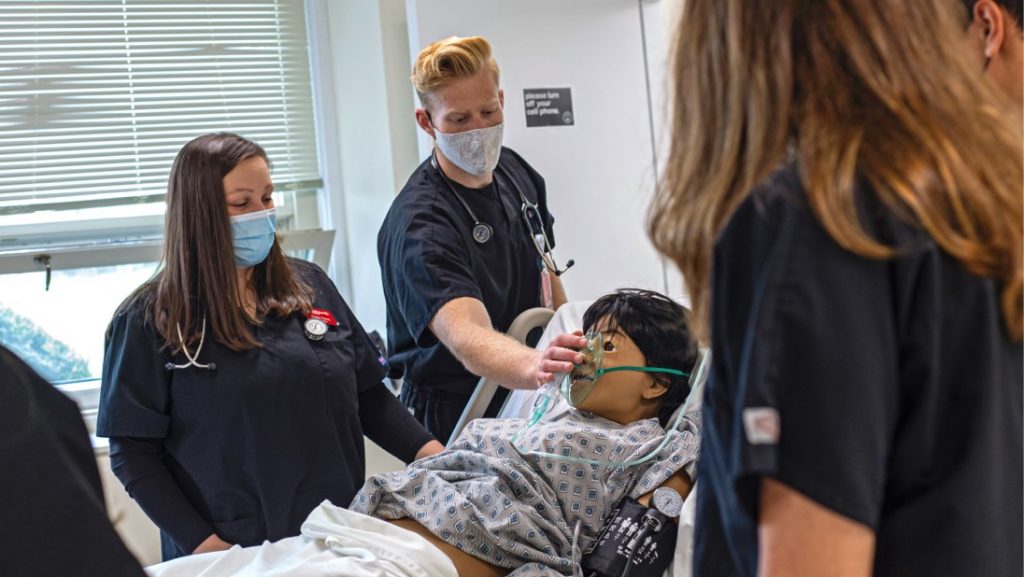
[{"x": 509, "y": 496}]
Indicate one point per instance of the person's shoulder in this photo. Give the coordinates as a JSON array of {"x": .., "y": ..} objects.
[
  {"x": 17, "y": 400},
  {"x": 326, "y": 292},
  {"x": 781, "y": 201},
  {"x": 422, "y": 189},
  {"x": 511, "y": 159},
  {"x": 307, "y": 271},
  {"x": 25, "y": 394},
  {"x": 509, "y": 154},
  {"x": 782, "y": 190},
  {"x": 312, "y": 275},
  {"x": 136, "y": 311},
  {"x": 421, "y": 199},
  {"x": 758, "y": 218}
]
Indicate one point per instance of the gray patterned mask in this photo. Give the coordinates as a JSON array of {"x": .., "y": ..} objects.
[{"x": 474, "y": 151}]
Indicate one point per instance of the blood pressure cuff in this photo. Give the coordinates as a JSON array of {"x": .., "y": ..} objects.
[{"x": 652, "y": 550}]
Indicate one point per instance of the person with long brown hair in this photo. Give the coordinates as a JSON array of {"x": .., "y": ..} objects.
[
  {"x": 843, "y": 196},
  {"x": 237, "y": 384}
]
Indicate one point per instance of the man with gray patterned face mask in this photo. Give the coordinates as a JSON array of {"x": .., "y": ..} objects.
[{"x": 466, "y": 246}]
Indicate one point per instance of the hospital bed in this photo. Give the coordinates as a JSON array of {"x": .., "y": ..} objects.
[
  {"x": 520, "y": 404},
  {"x": 357, "y": 545}
]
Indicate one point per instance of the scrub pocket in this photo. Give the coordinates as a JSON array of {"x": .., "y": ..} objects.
[{"x": 338, "y": 363}]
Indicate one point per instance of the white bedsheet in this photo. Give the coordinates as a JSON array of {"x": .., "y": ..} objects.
[{"x": 334, "y": 542}]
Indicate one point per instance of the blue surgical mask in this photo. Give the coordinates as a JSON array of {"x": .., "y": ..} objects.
[{"x": 253, "y": 236}]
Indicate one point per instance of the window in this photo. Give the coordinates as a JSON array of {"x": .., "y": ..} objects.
[
  {"x": 57, "y": 324},
  {"x": 60, "y": 331},
  {"x": 96, "y": 98}
]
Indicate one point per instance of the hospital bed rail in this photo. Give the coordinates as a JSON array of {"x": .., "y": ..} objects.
[{"x": 527, "y": 321}]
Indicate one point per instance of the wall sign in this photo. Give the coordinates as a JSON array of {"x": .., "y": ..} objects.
[{"x": 548, "y": 107}]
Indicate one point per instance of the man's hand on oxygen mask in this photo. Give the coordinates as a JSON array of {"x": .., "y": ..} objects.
[{"x": 560, "y": 356}]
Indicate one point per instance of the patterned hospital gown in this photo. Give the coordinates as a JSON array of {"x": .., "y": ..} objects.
[{"x": 484, "y": 497}]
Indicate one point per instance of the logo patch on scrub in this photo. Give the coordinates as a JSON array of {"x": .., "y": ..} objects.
[{"x": 761, "y": 425}]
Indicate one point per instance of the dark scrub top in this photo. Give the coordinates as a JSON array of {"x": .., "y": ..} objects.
[
  {"x": 886, "y": 391},
  {"x": 428, "y": 257},
  {"x": 53, "y": 520},
  {"x": 249, "y": 449}
]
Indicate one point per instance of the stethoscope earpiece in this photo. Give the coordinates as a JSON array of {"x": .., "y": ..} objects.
[{"x": 568, "y": 265}]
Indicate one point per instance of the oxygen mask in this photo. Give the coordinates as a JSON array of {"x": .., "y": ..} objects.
[
  {"x": 576, "y": 385},
  {"x": 582, "y": 380}
]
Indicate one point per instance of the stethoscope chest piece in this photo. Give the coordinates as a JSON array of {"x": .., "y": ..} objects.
[
  {"x": 315, "y": 329},
  {"x": 482, "y": 232}
]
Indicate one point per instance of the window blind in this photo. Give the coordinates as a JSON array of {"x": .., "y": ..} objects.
[{"x": 97, "y": 97}]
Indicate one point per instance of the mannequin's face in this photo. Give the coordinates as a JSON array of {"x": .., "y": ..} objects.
[{"x": 623, "y": 396}]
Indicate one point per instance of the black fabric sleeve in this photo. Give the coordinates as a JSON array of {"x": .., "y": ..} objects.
[
  {"x": 428, "y": 268},
  {"x": 53, "y": 520},
  {"x": 385, "y": 420},
  {"x": 806, "y": 358},
  {"x": 388, "y": 423},
  {"x": 138, "y": 464},
  {"x": 134, "y": 384}
]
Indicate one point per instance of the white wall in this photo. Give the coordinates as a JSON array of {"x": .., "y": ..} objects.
[
  {"x": 600, "y": 172},
  {"x": 360, "y": 58},
  {"x": 660, "y": 18}
]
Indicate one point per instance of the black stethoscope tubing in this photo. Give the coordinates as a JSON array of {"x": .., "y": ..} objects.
[
  {"x": 482, "y": 232},
  {"x": 477, "y": 223}
]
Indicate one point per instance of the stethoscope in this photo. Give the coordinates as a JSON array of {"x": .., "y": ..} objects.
[
  {"x": 314, "y": 328},
  {"x": 192, "y": 358},
  {"x": 482, "y": 232}
]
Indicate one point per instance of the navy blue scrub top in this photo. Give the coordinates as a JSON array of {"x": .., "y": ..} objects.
[
  {"x": 249, "y": 449},
  {"x": 887, "y": 391},
  {"x": 428, "y": 257},
  {"x": 53, "y": 520}
]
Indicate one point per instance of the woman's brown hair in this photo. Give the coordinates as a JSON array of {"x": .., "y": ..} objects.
[
  {"x": 199, "y": 279},
  {"x": 881, "y": 90}
]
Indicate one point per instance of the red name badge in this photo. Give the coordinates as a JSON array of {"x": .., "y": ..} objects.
[{"x": 323, "y": 315}]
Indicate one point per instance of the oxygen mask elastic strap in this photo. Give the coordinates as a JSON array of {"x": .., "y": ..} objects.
[
  {"x": 575, "y": 387},
  {"x": 578, "y": 384}
]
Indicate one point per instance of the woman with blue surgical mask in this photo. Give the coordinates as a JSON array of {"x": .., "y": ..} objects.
[
  {"x": 466, "y": 246},
  {"x": 237, "y": 384}
]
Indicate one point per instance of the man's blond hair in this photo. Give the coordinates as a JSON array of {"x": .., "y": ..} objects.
[{"x": 451, "y": 59}]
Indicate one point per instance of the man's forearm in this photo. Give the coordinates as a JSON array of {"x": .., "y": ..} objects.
[
  {"x": 464, "y": 326},
  {"x": 498, "y": 357}
]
